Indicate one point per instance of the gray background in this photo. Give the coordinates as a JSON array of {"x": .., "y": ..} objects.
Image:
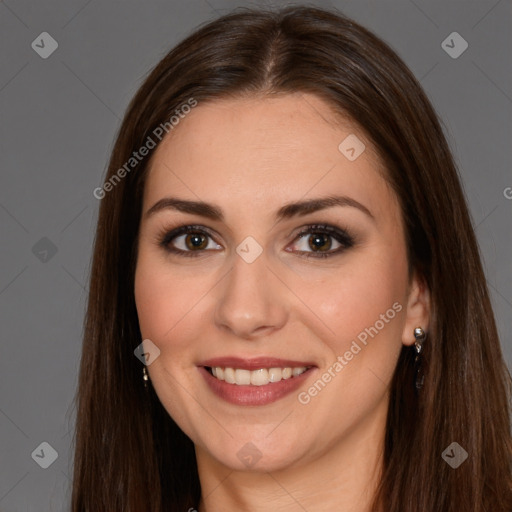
[{"x": 59, "y": 117}]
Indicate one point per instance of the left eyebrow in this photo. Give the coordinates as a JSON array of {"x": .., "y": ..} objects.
[{"x": 287, "y": 211}]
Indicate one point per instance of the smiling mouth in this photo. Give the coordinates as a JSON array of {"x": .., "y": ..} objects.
[{"x": 259, "y": 377}]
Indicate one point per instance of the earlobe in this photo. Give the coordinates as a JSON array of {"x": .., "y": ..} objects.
[{"x": 417, "y": 310}]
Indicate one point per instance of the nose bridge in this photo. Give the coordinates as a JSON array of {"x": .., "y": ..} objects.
[{"x": 249, "y": 301}]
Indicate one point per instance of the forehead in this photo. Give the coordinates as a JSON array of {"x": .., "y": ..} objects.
[{"x": 262, "y": 150}]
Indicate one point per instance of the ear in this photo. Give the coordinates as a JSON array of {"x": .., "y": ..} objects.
[{"x": 417, "y": 312}]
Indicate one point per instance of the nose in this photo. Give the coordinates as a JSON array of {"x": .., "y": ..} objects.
[{"x": 251, "y": 300}]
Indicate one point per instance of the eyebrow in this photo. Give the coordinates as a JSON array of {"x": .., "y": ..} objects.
[{"x": 287, "y": 211}]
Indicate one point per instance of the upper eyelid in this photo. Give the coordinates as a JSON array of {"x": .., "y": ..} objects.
[
  {"x": 329, "y": 229},
  {"x": 297, "y": 231}
]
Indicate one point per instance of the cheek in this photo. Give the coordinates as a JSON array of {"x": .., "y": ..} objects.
[
  {"x": 364, "y": 308},
  {"x": 167, "y": 306},
  {"x": 165, "y": 301},
  {"x": 364, "y": 303}
]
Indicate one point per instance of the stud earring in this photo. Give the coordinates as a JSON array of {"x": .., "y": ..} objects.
[
  {"x": 419, "y": 336},
  {"x": 145, "y": 376}
]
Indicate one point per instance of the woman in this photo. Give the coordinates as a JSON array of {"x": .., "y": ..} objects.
[{"x": 284, "y": 243}]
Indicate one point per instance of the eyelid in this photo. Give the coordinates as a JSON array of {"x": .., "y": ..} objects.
[
  {"x": 165, "y": 237},
  {"x": 342, "y": 235}
]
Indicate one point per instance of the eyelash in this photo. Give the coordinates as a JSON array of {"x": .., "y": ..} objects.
[{"x": 340, "y": 235}]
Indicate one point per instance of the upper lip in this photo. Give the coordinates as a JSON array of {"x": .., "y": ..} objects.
[{"x": 254, "y": 363}]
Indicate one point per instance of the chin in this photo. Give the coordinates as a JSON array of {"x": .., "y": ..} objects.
[{"x": 257, "y": 453}]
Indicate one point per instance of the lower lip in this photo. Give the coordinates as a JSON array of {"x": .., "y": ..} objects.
[{"x": 253, "y": 395}]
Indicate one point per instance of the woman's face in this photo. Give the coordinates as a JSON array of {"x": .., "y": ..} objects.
[{"x": 273, "y": 279}]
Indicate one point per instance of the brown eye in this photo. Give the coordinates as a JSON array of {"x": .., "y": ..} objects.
[
  {"x": 188, "y": 241},
  {"x": 195, "y": 241},
  {"x": 320, "y": 241}
]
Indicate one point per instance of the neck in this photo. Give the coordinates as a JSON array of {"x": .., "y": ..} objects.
[{"x": 342, "y": 477}]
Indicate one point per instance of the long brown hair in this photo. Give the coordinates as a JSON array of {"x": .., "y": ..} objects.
[{"x": 130, "y": 456}]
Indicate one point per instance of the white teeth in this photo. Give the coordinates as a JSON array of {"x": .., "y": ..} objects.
[
  {"x": 242, "y": 377},
  {"x": 259, "y": 377},
  {"x": 229, "y": 375},
  {"x": 274, "y": 374}
]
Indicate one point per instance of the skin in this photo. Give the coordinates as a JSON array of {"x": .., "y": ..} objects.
[{"x": 250, "y": 157}]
